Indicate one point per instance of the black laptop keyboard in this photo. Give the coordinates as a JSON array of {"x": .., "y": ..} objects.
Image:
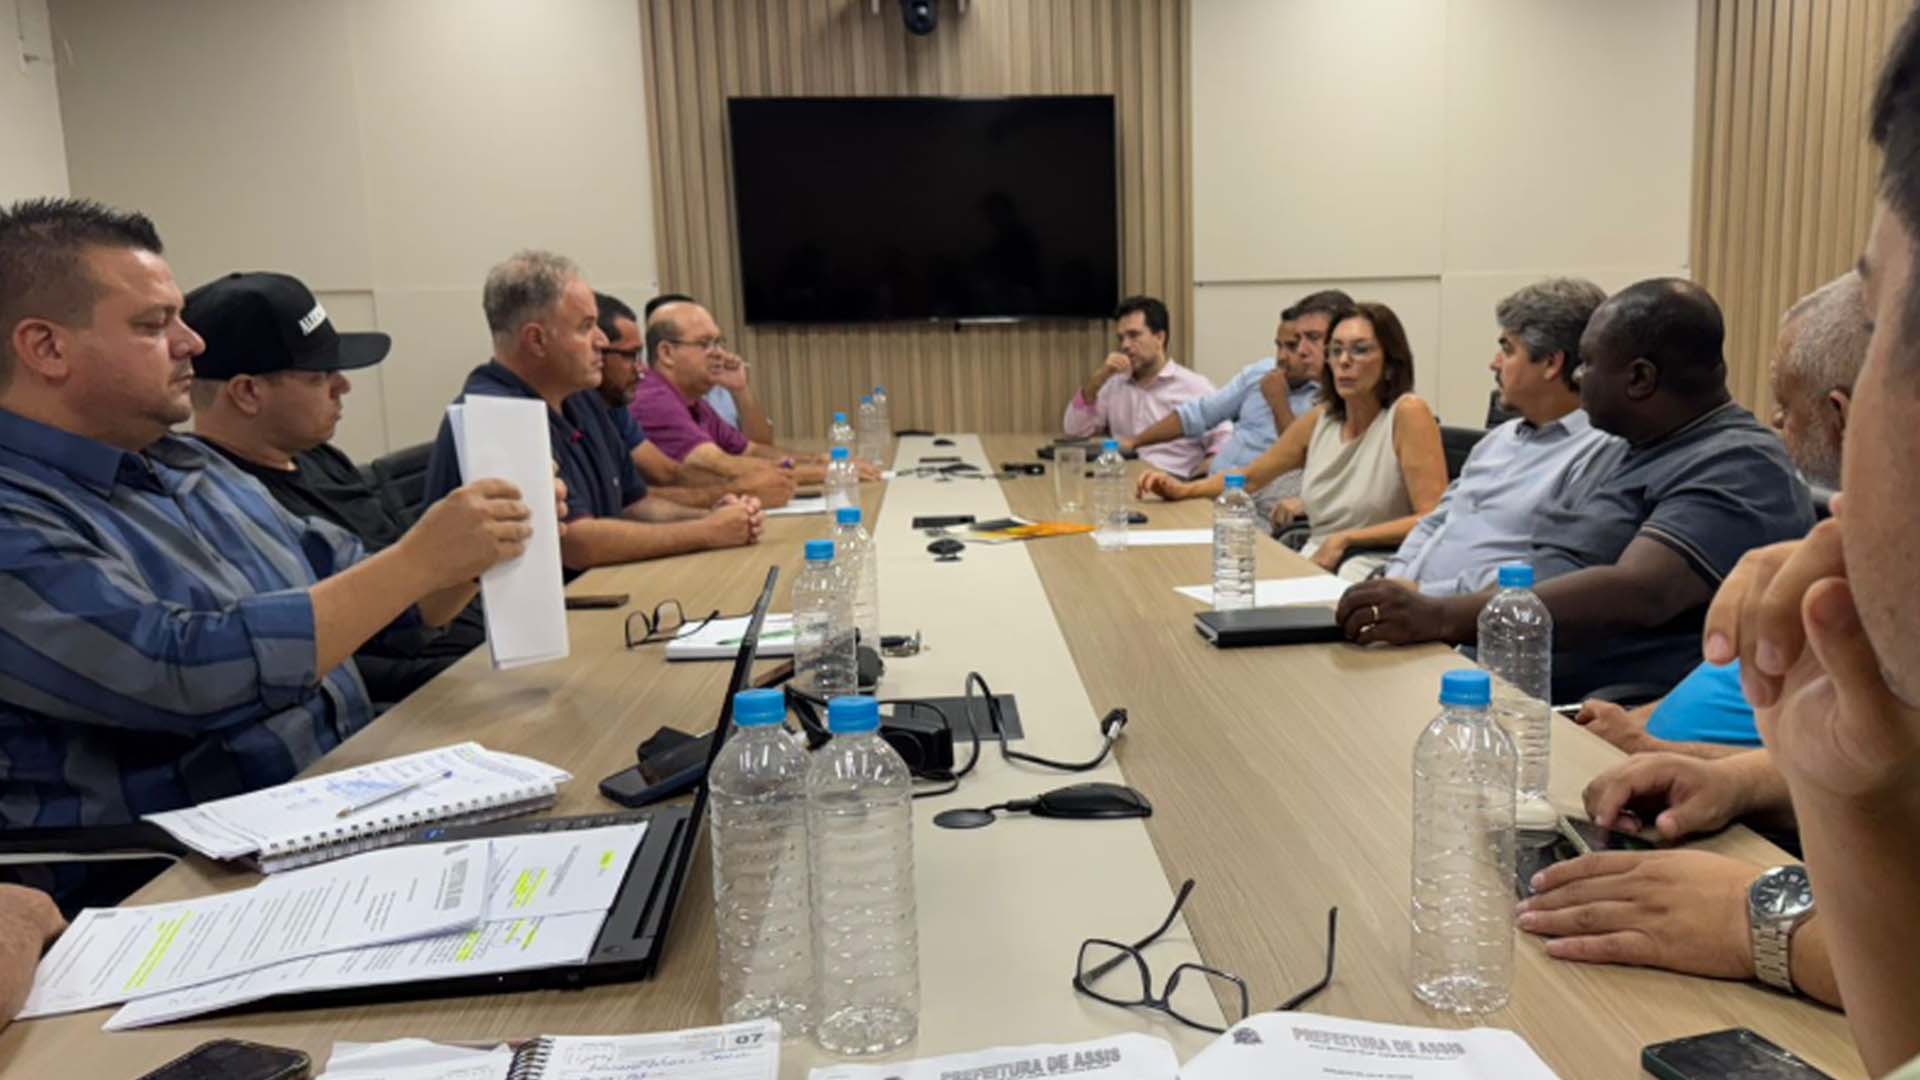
[{"x": 428, "y": 834}]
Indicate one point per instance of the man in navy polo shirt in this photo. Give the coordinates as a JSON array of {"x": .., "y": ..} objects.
[{"x": 547, "y": 344}]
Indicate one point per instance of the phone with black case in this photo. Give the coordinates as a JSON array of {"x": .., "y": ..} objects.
[
  {"x": 1733, "y": 1054},
  {"x": 234, "y": 1059}
]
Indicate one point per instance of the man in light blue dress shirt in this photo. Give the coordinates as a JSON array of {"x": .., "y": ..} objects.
[
  {"x": 1265, "y": 397},
  {"x": 1486, "y": 516}
]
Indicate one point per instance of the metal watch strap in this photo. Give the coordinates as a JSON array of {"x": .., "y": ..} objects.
[{"x": 1771, "y": 953}]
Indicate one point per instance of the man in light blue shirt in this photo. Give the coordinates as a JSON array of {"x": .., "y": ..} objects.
[
  {"x": 1486, "y": 516},
  {"x": 1265, "y": 397}
]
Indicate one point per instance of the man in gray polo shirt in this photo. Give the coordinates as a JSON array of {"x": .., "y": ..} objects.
[
  {"x": 1486, "y": 517},
  {"x": 1629, "y": 553}
]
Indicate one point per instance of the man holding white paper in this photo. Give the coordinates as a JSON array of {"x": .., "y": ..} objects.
[
  {"x": 169, "y": 632},
  {"x": 547, "y": 345}
]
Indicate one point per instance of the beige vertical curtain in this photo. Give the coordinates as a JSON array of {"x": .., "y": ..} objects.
[{"x": 1783, "y": 174}]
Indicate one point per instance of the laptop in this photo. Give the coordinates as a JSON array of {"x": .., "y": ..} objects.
[{"x": 634, "y": 935}]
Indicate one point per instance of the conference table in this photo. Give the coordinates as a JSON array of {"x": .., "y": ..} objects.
[{"x": 1280, "y": 780}]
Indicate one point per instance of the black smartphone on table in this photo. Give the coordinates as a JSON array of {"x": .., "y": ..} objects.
[
  {"x": 1733, "y": 1054},
  {"x": 1570, "y": 838},
  {"x": 595, "y": 601},
  {"x": 235, "y": 1059}
]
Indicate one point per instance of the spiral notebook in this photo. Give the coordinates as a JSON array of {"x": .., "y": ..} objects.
[
  {"x": 372, "y": 806},
  {"x": 744, "y": 1051}
]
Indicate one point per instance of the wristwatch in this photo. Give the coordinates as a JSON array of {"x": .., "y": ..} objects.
[{"x": 1778, "y": 901}]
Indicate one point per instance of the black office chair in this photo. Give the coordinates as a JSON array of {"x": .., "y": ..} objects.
[
  {"x": 401, "y": 479},
  {"x": 1458, "y": 442}
]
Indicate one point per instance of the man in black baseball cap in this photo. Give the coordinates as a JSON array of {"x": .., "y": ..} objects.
[{"x": 267, "y": 396}]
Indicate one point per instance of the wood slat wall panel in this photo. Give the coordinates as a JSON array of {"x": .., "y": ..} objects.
[
  {"x": 1000, "y": 378},
  {"x": 1783, "y": 174}
]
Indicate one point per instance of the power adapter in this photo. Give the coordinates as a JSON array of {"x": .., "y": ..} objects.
[{"x": 921, "y": 740}]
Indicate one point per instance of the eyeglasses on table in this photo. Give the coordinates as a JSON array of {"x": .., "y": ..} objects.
[
  {"x": 668, "y": 621},
  {"x": 1117, "y": 974}
]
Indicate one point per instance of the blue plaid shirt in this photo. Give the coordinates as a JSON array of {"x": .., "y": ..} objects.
[{"x": 156, "y": 631}]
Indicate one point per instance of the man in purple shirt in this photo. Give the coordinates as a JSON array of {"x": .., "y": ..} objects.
[
  {"x": 1153, "y": 386},
  {"x": 683, "y": 343}
]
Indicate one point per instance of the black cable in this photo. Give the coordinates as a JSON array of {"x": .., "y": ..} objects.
[{"x": 1111, "y": 727}]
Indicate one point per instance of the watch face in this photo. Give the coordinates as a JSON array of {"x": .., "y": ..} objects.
[{"x": 1783, "y": 893}]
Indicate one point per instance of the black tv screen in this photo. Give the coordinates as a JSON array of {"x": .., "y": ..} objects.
[{"x": 858, "y": 210}]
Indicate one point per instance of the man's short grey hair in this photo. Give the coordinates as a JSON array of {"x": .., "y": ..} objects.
[
  {"x": 1830, "y": 345},
  {"x": 525, "y": 288},
  {"x": 1549, "y": 317}
]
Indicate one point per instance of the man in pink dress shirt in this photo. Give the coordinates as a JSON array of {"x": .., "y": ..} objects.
[{"x": 1139, "y": 385}]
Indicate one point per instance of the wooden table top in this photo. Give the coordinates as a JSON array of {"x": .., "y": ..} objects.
[{"x": 1280, "y": 779}]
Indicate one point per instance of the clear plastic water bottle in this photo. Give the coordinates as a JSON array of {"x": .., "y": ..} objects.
[
  {"x": 843, "y": 480},
  {"x": 1516, "y": 647},
  {"x": 1111, "y": 499},
  {"x": 884, "y": 414},
  {"x": 841, "y": 433},
  {"x": 866, "y": 943},
  {"x": 758, "y": 820},
  {"x": 870, "y": 443},
  {"x": 1463, "y": 852},
  {"x": 823, "y": 651},
  {"x": 855, "y": 553},
  {"x": 1234, "y": 523}
]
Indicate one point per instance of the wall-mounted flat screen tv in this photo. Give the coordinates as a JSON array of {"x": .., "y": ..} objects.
[{"x": 859, "y": 210}]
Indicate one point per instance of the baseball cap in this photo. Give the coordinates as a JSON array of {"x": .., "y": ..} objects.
[{"x": 260, "y": 323}]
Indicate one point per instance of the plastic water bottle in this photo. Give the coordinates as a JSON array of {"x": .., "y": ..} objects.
[
  {"x": 856, "y": 557},
  {"x": 758, "y": 808},
  {"x": 883, "y": 414},
  {"x": 870, "y": 442},
  {"x": 866, "y": 944},
  {"x": 843, "y": 480},
  {"x": 1463, "y": 822},
  {"x": 1234, "y": 522},
  {"x": 1516, "y": 647},
  {"x": 1111, "y": 499},
  {"x": 841, "y": 433},
  {"x": 823, "y": 656}
]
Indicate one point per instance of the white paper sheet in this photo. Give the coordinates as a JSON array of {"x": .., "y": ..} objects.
[
  {"x": 260, "y": 820},
  {"x": 816, "y": 504},
  {"x": 416, "y": 1059},
  {"x": 502, "y": 945},
  {"x": 111, "y": 955},
  {"x": 525, "y": 601},
  {"x": 1323, "y": 589},
  {"x": 720, "y": 639},
  {"x": 749, "y": 1051},
  {"x": 1120, "y": 1057},
  {"x": 546, "y": 896},
  {"x": 1305, "y": 1046},
  {"x": 1169, "y": 537}
]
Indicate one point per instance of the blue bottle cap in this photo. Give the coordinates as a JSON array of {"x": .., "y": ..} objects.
[
  {"x": 819, "y": 551},
  {"x": 853, "y": 715},
  {"x": 1470, "y": 688},
  {"x": 839, "y": 418},
  {"x": 866, "y": 399},
  {"x": 1111, "y": 446},
  {"x": 847, "y": 515},
  {"x": 839, "y": 453},
  {"x": 1516, "y": 576},
  {"x": 879, "y": 389},
  {"x": 1236, "y": 482},
  {"x": 759, "y": 708}
]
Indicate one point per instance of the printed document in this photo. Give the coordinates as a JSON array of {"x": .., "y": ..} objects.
[
  {"x": 1305, "y": 1046},
  {"x": 720, "y": 639},
  {"x": 1321, "y": 589},
  {"x": 547, "y": 895},
  {"x": 1120, "y": 1057},
  {"x": 1169, "y": 537},
  {"x": 111, "y": 955},
  {"x": 524, "y": 599}
]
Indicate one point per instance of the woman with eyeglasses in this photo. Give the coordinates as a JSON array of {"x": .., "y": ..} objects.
[{"x": 1371, "y": 453}]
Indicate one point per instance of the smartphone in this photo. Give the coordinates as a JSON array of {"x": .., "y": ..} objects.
[
  {"x": 232, "y": 1059},
  {"x": 1570, "y": 838},
  {"x": 941, "y": 521},
  {"x": 1733, "y": 1054},
  {"x": 596, "y": 600}
]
